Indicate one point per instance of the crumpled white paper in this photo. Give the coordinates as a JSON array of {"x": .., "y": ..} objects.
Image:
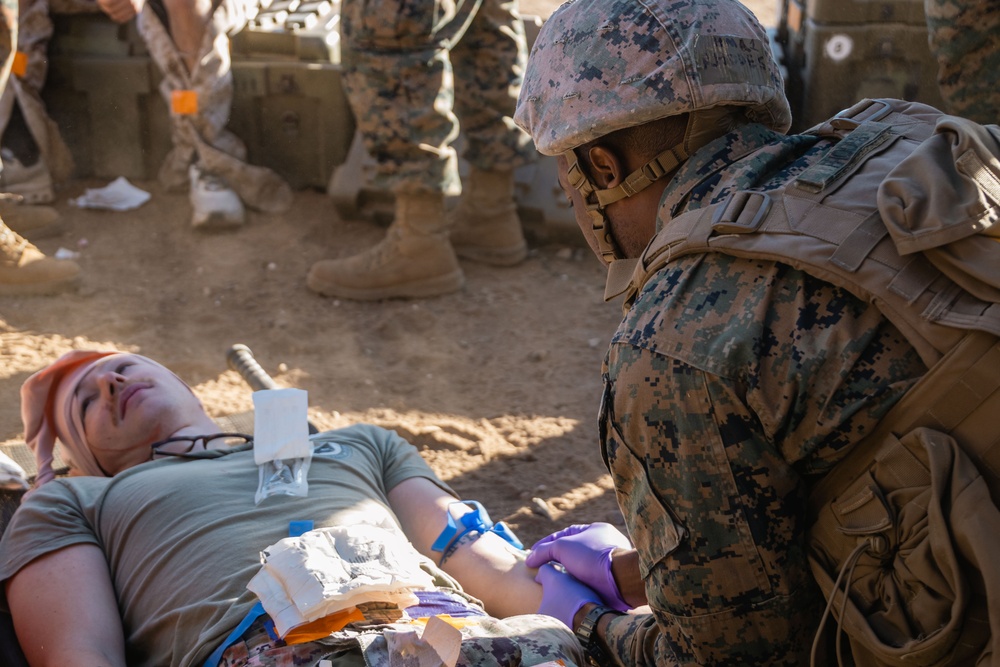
[
  {"x": 439, "y": 645},
  {"x": 12, "y": 476},
  {"x": 118, "y": 195},
  {"x": 328, "y": 570}
]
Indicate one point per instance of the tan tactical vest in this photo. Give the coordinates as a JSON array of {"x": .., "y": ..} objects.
[{"x": 905, "y": 522}]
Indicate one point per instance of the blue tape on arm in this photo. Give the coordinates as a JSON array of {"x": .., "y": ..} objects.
[
  {"x": 507, "y": 534},
  {"x": 447, "y": 535},
  {"x": 470, "y": 520},
  {"x": 477, "y": 520}
]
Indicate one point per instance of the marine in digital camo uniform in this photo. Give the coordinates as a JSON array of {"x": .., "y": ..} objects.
[
  {"x": 23, "y": 268},
  {"x": 731, "y": 384},
  {"x": 409, "y": 67},
  {"x": 964, "y": 37}
]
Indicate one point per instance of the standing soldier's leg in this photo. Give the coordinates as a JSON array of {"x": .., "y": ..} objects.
[
  {"x": 964, "y": 36},
  {"x": 23, "y": 269},
  {"x": 34, "y": 153},
  {"x": 489, "y": 64},
  {"x": 399, "y": 82},
  {"x": 194, "y": 58},
  {"x": 26, "y": 126}
]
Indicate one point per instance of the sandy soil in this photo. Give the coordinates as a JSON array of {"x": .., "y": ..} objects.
[{"x": 498, "y": 385}]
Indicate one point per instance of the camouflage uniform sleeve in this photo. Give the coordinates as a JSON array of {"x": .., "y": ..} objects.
[
  {"x": 715, "y": 515},
  {"x": 731, "y": 384}
]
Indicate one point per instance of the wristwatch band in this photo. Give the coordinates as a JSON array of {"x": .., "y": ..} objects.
[{"x": 587, "y": 635}]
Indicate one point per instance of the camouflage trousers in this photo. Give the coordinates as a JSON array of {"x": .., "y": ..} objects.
[
  {"x": 486, "y": 642},
  {"x": 202, "y": 136},
  {"x": 414, "y": 69},
  {"x": 33, "y": 35},
  {"x": 964, "y": 36}
]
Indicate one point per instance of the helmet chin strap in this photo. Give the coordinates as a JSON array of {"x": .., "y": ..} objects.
[
  {"x": 600, "y": 231},
  {"x": 597, "y": 199},
  {"x": 703, "y": 127}
]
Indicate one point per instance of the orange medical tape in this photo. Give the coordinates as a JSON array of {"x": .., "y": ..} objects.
[
  {"x": 184, "y": 102},
  {"x": 20, "y": 66}
]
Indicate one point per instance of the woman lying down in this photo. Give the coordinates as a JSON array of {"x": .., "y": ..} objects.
[{"x": 143, "y": 556}]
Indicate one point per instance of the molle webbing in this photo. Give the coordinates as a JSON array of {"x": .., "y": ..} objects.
[{"x": 827, "y": 224}]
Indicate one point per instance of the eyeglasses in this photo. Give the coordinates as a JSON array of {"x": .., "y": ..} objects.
[{"x": 204, "y": 453}]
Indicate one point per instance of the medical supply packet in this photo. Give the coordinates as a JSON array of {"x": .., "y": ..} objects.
[{"x": 328, "y": 570}]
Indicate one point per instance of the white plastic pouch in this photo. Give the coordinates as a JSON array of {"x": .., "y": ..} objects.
[{"x": 281, "y": 446}]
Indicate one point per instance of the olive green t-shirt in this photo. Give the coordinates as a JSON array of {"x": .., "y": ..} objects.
[{"x": 183, "y": 537}]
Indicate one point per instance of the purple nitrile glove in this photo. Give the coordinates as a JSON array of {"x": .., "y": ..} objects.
[
  {"x": 585, "y": 552},
  {"x": 562, "y": 594}
]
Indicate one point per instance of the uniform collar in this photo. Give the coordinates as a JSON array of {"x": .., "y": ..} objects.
[{"x": 701, "y": 172}]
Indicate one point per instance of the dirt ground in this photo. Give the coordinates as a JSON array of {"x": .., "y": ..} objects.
[{"x": 498, "y": 385}]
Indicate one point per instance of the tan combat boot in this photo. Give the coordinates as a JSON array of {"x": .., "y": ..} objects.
[
  {"x": 413, "y": 260},
  {"x": 32, "y": 221},
  {"x": 34, "y": 182},
  {"x": 484, "y": 226},
  {"x": 25, "y": 270}
]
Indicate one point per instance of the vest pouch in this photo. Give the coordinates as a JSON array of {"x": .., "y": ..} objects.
[
  {"x": 906, "y": 540},
  {"x": 944, "y": 200}
]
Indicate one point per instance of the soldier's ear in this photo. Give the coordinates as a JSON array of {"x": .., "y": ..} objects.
[{"x": 606, "y": 167}]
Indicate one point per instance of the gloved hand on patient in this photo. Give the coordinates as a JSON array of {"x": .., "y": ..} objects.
[
  {"x": 585, "y": 552},
  {"x": 562, "y": 594}
]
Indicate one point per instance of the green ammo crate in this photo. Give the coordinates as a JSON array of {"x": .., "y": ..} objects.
[{"x": 836, "y": 52}]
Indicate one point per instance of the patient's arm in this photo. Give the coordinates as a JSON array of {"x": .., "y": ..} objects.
[
  {"x": 487, "y": 568},
  {"x": 65, "y": 612}
]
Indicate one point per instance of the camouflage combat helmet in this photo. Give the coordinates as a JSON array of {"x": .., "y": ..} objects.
[{"x": 603, "y": 65}]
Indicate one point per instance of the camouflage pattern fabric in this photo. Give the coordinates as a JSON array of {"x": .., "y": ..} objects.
[
  {"x": 964, "y": 36},
  {"x": 203, "y": 136},
  {"x": 486, "y": 642},
  {"x": 729, "y": 386},
  {"x": 411, "y": 65},
  {"x": 34, "y": 33},
  {"x": 602, "y": 65}
]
